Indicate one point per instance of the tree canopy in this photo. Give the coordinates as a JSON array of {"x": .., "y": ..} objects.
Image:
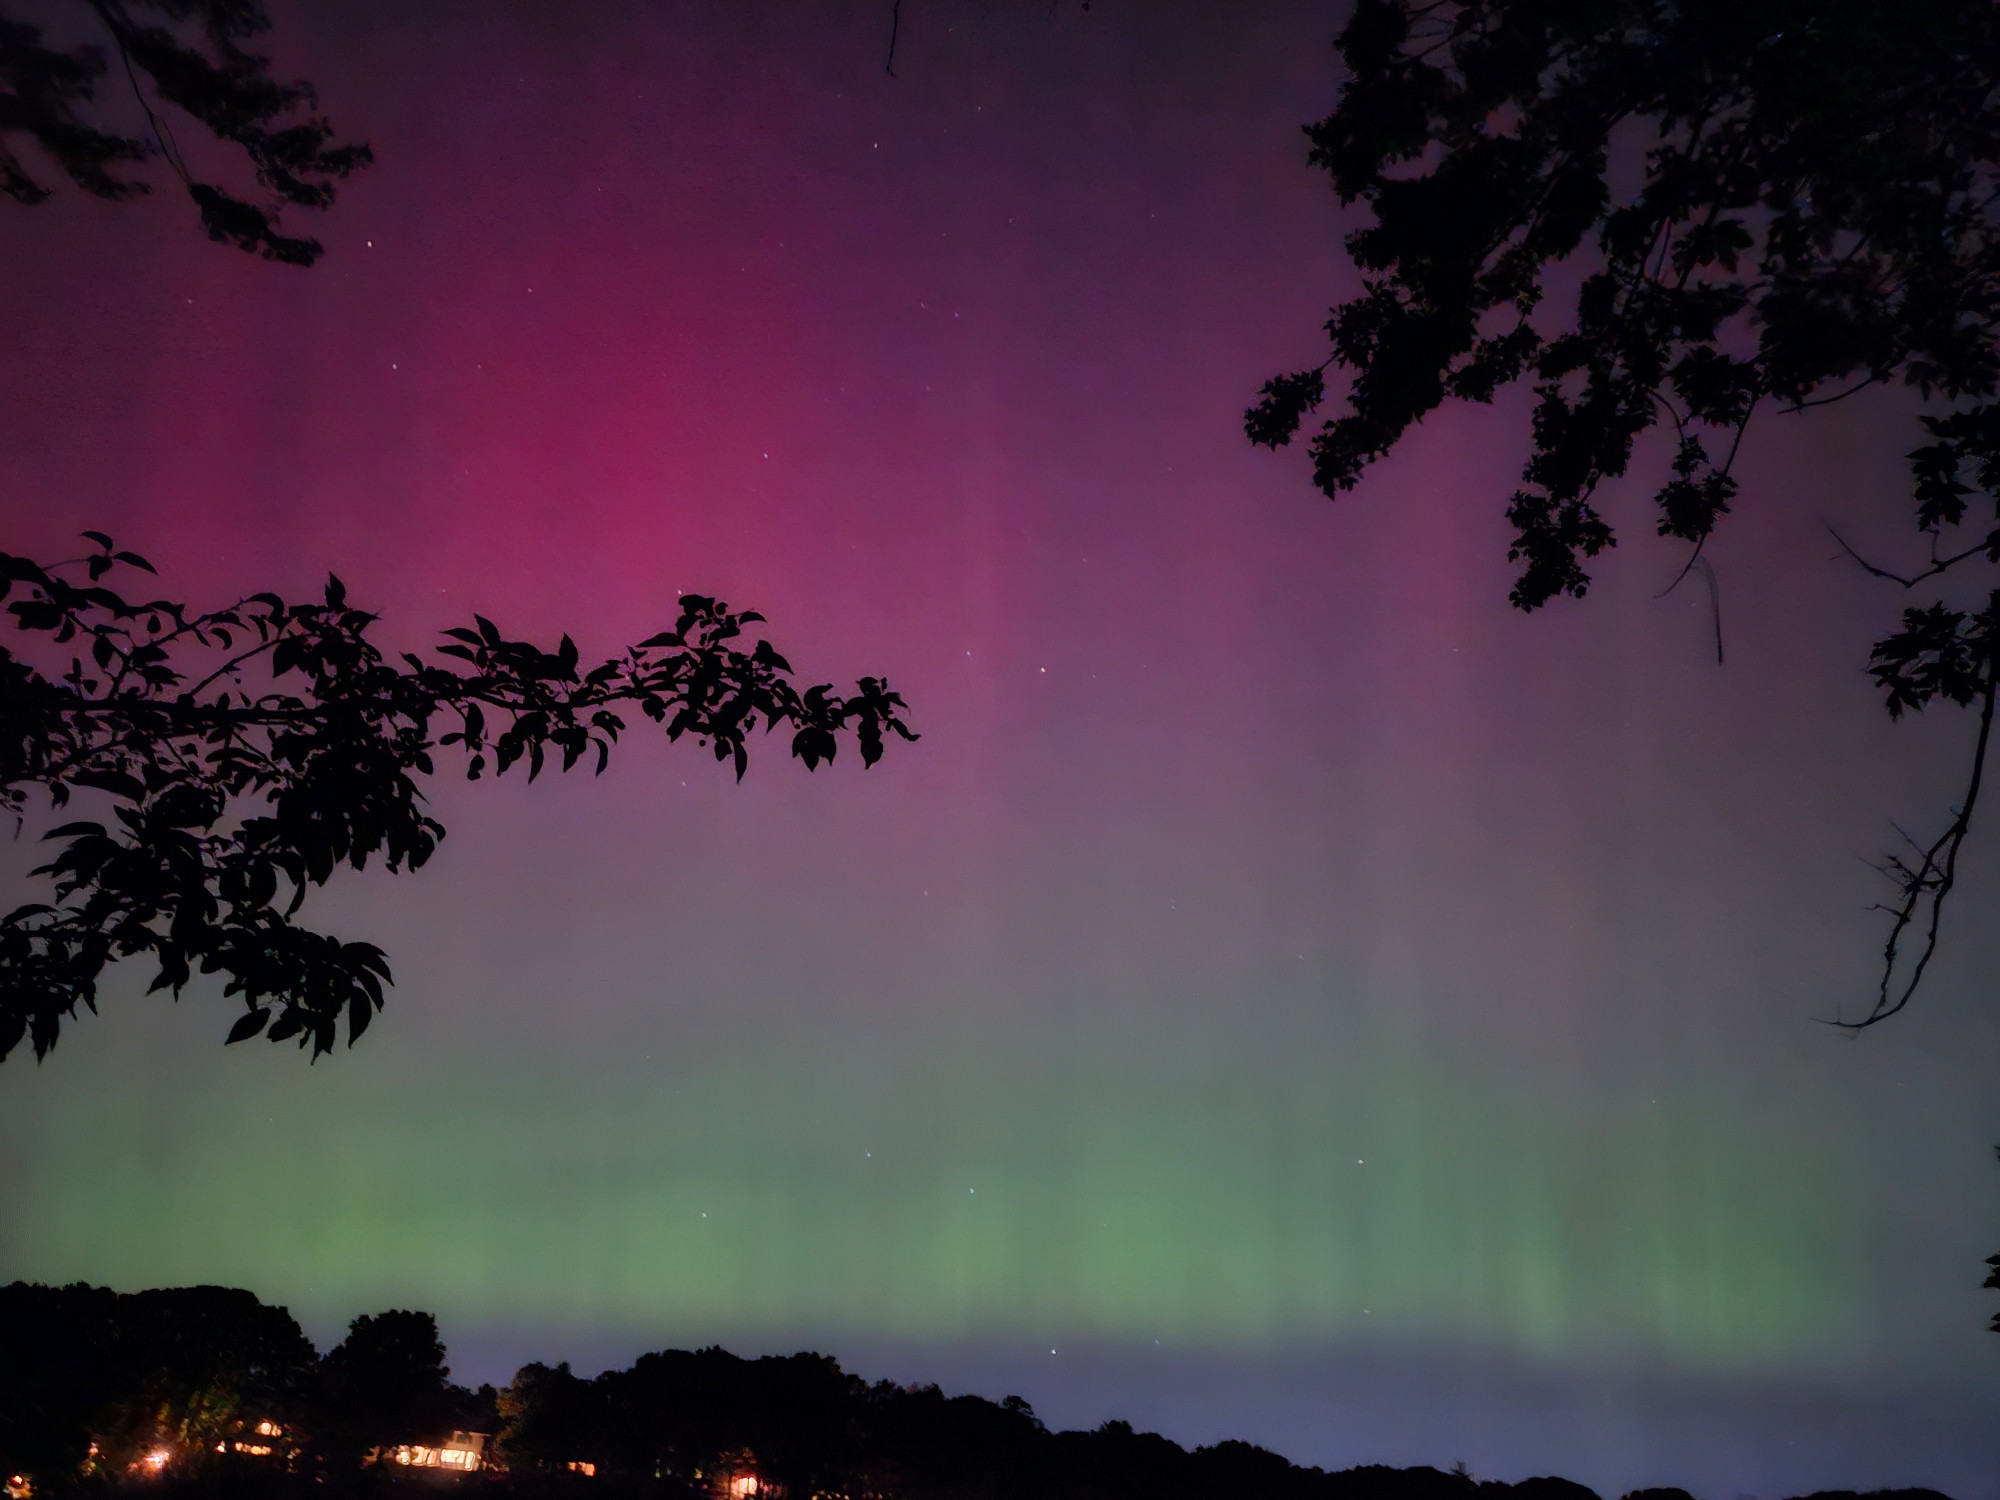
[
  {"x": 1811, "y": 213},
  {"x": 247, "y": 752},
  {"x": 91, "y": 1379},
  {"x": 675, "y": 1425},
  {"x": 190, "y": 56},
  {"x": 385, "y": 1383}
]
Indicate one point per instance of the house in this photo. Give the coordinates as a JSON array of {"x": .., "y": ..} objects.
[
  {"x": 260, "y": 1442},
  {"x": 462, "y": 1452},
  {"x": 735, "y": 1477}
]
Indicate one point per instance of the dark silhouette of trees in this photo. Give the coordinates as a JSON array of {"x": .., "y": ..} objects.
[
  {"x": 57, "y": 1361},
  {"x": 185, "y": 55},
  {"x": 550, "y": 1419},
  {"x": 91, "y": 1382},
  {"x": 385, "y": 1383},
  {"x": 1813, "y": 213},
  {"x": 245, "y": 753},
  {"x": 1992, "y": 1282},
  {"x": 676, "y": 1425}
]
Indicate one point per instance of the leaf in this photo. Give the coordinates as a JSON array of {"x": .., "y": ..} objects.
[
  {"x": 98, "y": 537},
  {"x": 247, "y": 1026},
  {"x": 115, "y": 782},
  {"x": 75, "y": 830}
]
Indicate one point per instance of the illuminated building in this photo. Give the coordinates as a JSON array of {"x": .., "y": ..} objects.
[{"x": 463, "y": 1452}]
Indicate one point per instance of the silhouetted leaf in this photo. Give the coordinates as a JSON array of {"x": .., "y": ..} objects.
[{"x": 247, "y": 1026}]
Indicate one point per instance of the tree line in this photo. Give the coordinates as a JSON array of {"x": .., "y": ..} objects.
[{"x": 204, "y": 1391}]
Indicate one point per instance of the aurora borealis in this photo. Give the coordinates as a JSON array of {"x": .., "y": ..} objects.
[{"x": 1286, "y": 994}]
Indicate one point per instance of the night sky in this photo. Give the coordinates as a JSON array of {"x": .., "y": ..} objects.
[{"x": 1286, "y": 994}]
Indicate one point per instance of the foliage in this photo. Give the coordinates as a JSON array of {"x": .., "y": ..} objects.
[
  {"x": 230, "y": 798},
  {"x": 1992, "y": 1282},
  {"x": 192, "y": 57},
  {"x": 90, "y": 1380},
  {"x": 676, "y": 1425},
  {"x": 385, "y": 1383},
  {"x": 1811, "y": 212}
]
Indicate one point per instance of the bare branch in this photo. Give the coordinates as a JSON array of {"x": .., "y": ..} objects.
[
  {"x": 1942, "y": 565},
  {"x": 1806, "y": 404}
]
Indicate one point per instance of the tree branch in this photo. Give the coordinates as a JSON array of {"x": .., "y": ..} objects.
[
  {"x": 1930, "y": 882},
  {"x": 1942, "y": 565}
]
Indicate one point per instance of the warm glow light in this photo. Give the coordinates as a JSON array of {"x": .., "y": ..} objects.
[
  {"x": 581, "y": 1466},
  {"x": 746, "y": 1485},
  {"x": 268, "y": 1428},
  {"x": 157, "y": 1459}
]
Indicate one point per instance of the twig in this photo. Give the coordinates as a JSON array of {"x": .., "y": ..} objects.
[
  {"x": 1805, "y": 405},
  {"x": 1942, "y": 565},
  {"x": 169, "y": 148}
]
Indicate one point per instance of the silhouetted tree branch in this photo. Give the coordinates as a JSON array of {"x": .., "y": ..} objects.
[
  {"x": 1814, "y": 214},
  {"x": 1945, "y": 653},
  {"x": 232, "y": 794},
  {"x": 188, "y": 55}
]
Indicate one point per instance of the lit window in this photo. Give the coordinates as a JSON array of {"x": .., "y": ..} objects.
[{"x": 581, "y": 1466}]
